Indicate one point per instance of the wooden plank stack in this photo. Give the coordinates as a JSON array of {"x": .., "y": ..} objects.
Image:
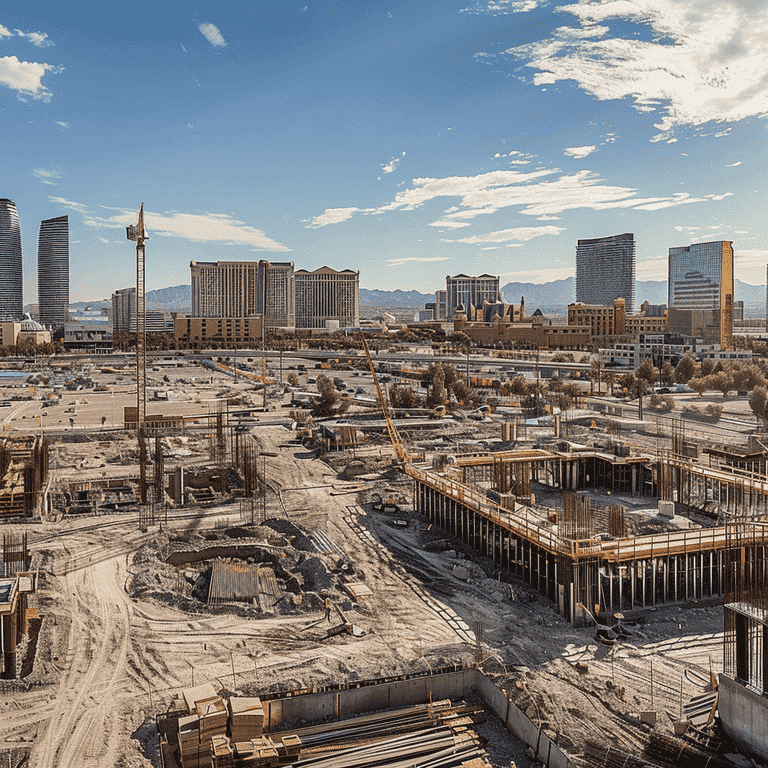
[
  {"x": 207, "y": 719},
  {"x": 246, "y": 718}
]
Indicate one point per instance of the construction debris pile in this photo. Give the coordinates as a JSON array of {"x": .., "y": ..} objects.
[
  {"x": 276, "y": 567},
  {"x": 217, "y": 734}
]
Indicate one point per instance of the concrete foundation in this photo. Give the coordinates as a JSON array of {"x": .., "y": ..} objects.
[{"x": 744, "y": 715}]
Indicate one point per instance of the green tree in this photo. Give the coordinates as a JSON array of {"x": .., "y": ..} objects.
[
  {"x": 403, "y": 396},
  {"x": 722, "y": 381},
  {"x": 699, "y": 384},
  {"x": 758, "y": 403},
  {"x": 646, "y": 372},
  {"x": 685, "y": 370},
  {"x": 329, "y": 400}
]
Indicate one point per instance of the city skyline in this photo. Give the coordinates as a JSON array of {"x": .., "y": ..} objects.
[{"x": 409, "y": 140}]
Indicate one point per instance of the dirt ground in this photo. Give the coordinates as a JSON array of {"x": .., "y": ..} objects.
[{"x": 123, "y": 632}]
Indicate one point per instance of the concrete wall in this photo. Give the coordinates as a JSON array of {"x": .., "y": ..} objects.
[
  {"x": 283, "y": 714},
  {"x": 744, "y": 715}
]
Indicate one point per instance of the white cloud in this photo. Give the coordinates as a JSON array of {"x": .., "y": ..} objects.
[
  {"x": 749, "y": 265},
  {"x": 47, "y": 175},
  {"x": 25, "y": 77},
  {"x": 449, "y": 224},
  {"x": 198, "y": 227},
  {"x": 212, "y": 34},
  {"x": 502, "y": 7},
  {"x": 580, "y": 152},
  {"x": 398, "y": 261},
  {"x": 653, "y": 269},
  {"x": 103, "y": 240},
  {"x": 532, "y": 192},
  {"x": 392, "y": 164},
  {"x": 5, "y": 32},
  {"x": 62, "y": 125},
  {"x": 706, "y": 60},
  {"x": 517, "y": 233},
  {"x": 40, "y": 39},
  {"x": 332, "y": 216},
  {"x": 734, "y": 165},
  {"x": 80, "y": 207},
  {"x": 548, "y": 218}
]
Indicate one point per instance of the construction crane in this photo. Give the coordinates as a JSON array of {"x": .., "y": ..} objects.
[
  {"x": 402, "y": 457},
  {"x": 138, "y": 234}
]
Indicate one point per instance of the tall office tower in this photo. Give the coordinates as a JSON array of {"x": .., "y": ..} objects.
[
  {"x": 469, "y": 292},
  {"x": 700, "y": 291},
  {"x": 244, "y": 289},
  {"x": 327, "y": 296},
  {"x": 11, "y": 298},
  {"x": 605, "y": 270},
  {"x": 441, "y": 305},
  {"x": 124, "y": 310},
  {"x": 53, "y": 272}
]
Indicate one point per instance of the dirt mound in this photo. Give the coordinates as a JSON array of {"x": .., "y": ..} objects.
[{"x": 316, "y": 575}]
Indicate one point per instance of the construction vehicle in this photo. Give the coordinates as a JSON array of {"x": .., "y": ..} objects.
[{"x": 390, "y": 501}]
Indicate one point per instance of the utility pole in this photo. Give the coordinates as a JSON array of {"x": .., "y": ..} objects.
[{"x": 138, "y": 234}]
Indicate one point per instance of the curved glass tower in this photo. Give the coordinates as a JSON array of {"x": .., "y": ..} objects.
[
  {"x": 11, "y": 299},
  {"x": 53, "y": 272}
]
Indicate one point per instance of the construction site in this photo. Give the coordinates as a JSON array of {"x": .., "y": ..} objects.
[{"x": 234, "y": 582}]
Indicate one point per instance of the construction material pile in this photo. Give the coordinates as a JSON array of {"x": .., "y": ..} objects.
[{"x": 216, "y": 735}]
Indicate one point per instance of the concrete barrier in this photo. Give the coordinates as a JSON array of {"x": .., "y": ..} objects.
[{"x": 288, "y": 712}]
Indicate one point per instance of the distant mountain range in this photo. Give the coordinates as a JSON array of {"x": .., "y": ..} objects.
[
  {"x": 553, "y": 296},
  {"x": 559, "y": 293}
]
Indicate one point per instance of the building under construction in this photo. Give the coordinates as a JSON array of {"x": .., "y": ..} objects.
[{"x": 589, "y": 558}]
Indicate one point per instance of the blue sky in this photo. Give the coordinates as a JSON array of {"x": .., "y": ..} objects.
[{"x": 409, "y": 140}]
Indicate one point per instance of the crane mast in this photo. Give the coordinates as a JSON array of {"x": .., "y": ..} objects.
[{"x": 394, "y": 435}]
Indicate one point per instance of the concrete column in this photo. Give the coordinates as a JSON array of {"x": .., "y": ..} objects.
[{"x": 9, "y": 631}]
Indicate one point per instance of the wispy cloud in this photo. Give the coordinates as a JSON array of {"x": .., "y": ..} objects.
[
  {"x": 62, "y": 125},
  {"x": 198, "y": 227},
  {"x": 734, "y": 165},
  {"x": 47, "y": 175},
  {"x": 332, "y": 216},
  {"x": 501, "y": 7},
  {"x": 40, "y": 39},
  {"x": 533, "y": 193},
  {"x": 25, "y": 77},
  {"x": 103, "y": 239},
  {"x": 517, "y": 233},
  {"x": 212, "y": 34},
  {"x": 749, "y": 265},
  {"x": 706, "y": 60},
  {"x": 398, "y": 261},
  {"x": 580, "y": 152},
  {"x": 449, "y": 224},
  {"x": 392, "y": 164}
]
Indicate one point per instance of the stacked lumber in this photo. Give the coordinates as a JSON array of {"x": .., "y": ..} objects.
[
  {"x": 207, "y": 719},
  {"x": 260, "y": 752},
  {"x": 192, "y": 751},
  {"x": 246, "y": 719},
  {"x": 222, "y": 752}
]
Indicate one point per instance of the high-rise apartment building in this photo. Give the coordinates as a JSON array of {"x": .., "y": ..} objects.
[
  {"x": 11, "y": 296},
  {"x": 326, "y": 296},
  {"x": 470, "y": 292},
  {"x": 53, "y": 272},
  {"x": 124, "y": 310},
  {"x": 700, "y": 291},
  {"x": 244, "y": 289},
  {"x": 605, "y": 270}
]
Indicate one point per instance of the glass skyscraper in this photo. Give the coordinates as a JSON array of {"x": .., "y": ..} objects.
[
  {"x": 53, "y": 272},
  {"x": 701, "y": 283},
  {"x": 11, "y": 296},
  {"x": 605, "y": 270}
]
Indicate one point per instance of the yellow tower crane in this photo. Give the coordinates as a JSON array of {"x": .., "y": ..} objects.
[{"x": 402, "y": 457}]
